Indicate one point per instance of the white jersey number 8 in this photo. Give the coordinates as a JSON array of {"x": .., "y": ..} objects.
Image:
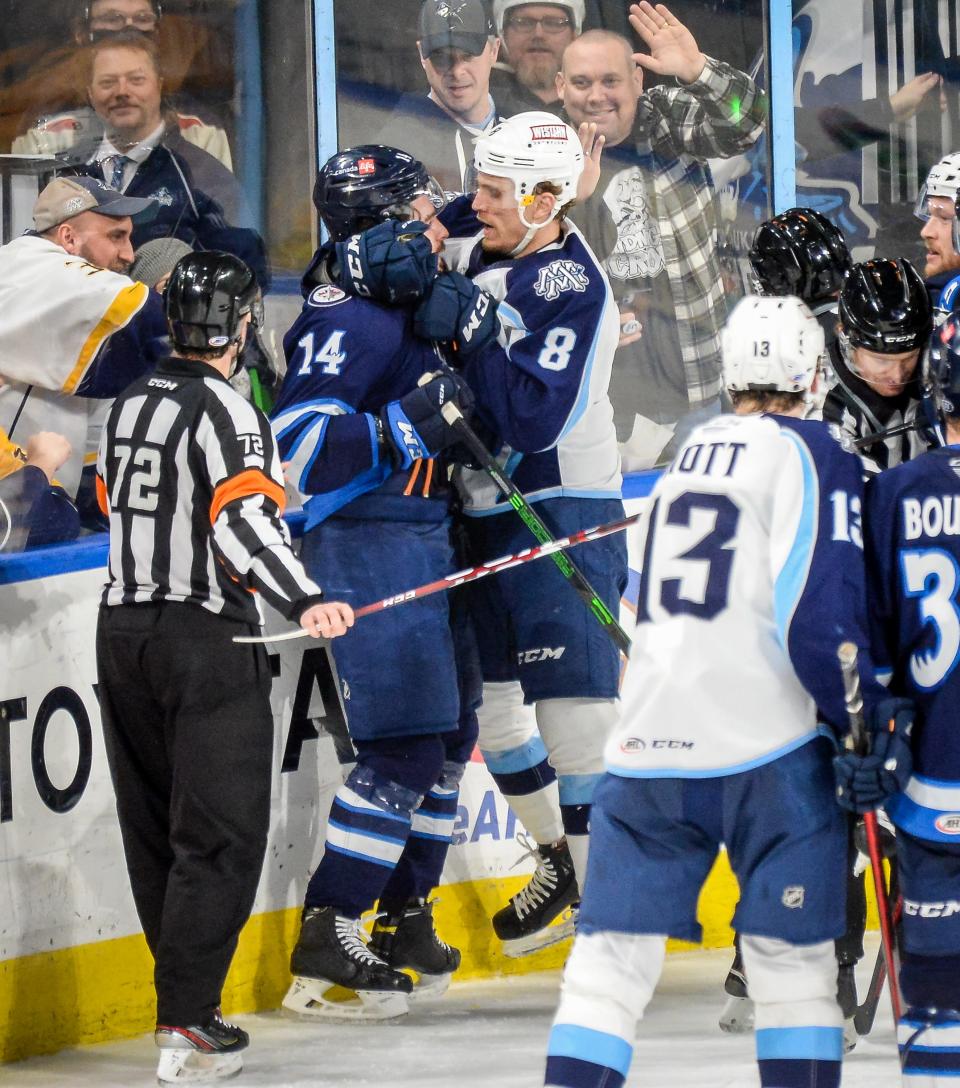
[{"x": 557, "y": 346}]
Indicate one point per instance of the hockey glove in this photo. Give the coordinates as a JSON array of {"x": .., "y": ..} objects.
[
  {"x": 391, "y": 262},
  {"x": 413, "y": 425},
  {"x": 865, "y": 782},
  {"x": 455, "y": 309}
]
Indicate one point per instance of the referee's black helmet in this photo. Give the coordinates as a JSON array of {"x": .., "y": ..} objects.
[
  {"x": 206, "y": 298},
  {"x": 362, "y": 186},
  {"x": 884, "y": 307}
]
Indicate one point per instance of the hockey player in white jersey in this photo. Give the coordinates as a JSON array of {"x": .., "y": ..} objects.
[{"x": 752, "y": 574}]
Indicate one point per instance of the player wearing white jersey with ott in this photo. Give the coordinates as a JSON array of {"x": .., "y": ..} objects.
[{"x": 752, "y": 574}]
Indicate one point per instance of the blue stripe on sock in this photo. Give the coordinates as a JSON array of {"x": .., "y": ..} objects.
[
  {"x": 586, "y": 1044},
  {"x": 360, "y": 857},
  {"x": 821, "y": 1044},
  {"x": 521, "y": 758},
  {"x": 368, "y": 833},
  {"x": 577, "y": 789}
]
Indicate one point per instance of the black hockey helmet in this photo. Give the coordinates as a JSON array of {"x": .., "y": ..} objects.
[
  {"x": 800, "y": 252},
  {"x": 362, "y": 186},
  {"x": 942, "y": 369},
  {"x": 206, "y": 297},
  {"x": 884, "y": 307}
]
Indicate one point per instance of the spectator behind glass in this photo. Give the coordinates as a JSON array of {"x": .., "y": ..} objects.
[
  {"x": 457, "y": 51},
  {"x": 60, "y": 127},
  {"x": 34, "y": 509},
  {"x": 534, "y": 37},
  {"x": 138, "y": 148},
  {"x": 652, "y": 219}
]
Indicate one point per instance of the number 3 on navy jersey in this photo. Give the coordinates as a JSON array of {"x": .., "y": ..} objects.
[
  {"x": 330, "y": 358},
  {"x": 931, "y": 576},
  {"x": 712, "y": 549}
]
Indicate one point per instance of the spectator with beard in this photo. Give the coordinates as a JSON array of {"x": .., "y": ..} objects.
[{"x": 534, "y": 37}]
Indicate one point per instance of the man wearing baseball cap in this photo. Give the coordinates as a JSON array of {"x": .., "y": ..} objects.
[
  {"x": 457, "y": 50},
  {"x": 534, "y": 37},
  {"x": 73, "y": 325}
]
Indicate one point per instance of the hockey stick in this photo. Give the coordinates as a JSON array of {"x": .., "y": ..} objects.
[
  {"x": 853, "y": 700},
  {"x": 454, "y": 417},
  {"x": 470, "y": 574},
  {"x": 866, "y": 1012}
]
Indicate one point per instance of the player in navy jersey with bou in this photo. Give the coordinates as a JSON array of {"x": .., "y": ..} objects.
[
  {"x": 358, "y": 424},
  {"x": 913, "y": 567},
  {"x": 752, "y": 575}
]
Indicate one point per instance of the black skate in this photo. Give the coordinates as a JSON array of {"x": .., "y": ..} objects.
[
  {"x": 524, "y": 924},
  {"x": 336, "y": 976},
  {"x": 199, "y": 1053},
  {"x": 738, "y": 1014},
  {"x": 410, "y": 941}
]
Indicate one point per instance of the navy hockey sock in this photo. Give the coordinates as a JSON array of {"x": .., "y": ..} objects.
[
  {"x": 579, "y": 1057},
  {"x": 800, "y": 1057}
]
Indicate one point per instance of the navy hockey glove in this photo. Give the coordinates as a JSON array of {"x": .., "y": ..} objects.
[
  {"x": 391, "y": 262},
  {"x": 865, "y": 782},
  {"x": 455, "y": 309},
  {"x": 413, "y": 425}
]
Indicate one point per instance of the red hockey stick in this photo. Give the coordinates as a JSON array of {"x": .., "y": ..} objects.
[
  {"x": 852, "y": 697},
  {"x": 471, "y": 574}
]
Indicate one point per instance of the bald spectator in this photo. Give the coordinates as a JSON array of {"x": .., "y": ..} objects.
[
  {"x": 138, "y": 149},
  {"x": 457, "y": 50},
  {"x": 534, "y": 37},
  {"x": 652, "y": 217}
]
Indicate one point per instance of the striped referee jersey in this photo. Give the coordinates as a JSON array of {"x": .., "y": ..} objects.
[{"x": 189, "y": 475}]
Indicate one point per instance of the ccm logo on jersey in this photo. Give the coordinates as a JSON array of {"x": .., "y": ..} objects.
[
  {"x": 161, "y": 383},
  {"x": 946, "y": 909},
  {"x": 531, "y": 657},
  {"x": 560, "y": 276}
]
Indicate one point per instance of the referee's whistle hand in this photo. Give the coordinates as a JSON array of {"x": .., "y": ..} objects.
[{"x": 327, "y": 620}]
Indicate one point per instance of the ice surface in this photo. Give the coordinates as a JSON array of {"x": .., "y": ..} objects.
[{"x": 485, "y": 1034}]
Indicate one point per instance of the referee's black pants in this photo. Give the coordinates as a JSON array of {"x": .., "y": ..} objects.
[{"x": 189, "y": 739}]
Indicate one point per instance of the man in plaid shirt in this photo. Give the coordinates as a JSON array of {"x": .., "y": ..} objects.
[{"x": 653, "y": 216}]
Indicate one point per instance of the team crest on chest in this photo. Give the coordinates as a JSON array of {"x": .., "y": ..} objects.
[{"x": 560, "y": 276}]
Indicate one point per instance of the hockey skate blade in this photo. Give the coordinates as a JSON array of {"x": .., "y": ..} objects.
[
  {"x": 562, "y": 927},
  {"x": 850, "y": 1036},
  {"x": 737, "y": 1016},
  {"x": 187, "y": 1066},
  {"x": 428, "y": 987},
  {"x": 317, "y": 999}
]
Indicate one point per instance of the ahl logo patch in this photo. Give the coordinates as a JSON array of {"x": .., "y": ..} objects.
[
  {"x": 948, "y": 823},
  {"x": 560, "y": 276},
  {"x": 792, "y": 897},
  {"x": 326, "y": 295}
]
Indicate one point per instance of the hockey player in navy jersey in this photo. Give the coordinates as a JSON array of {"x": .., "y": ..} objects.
[
  {"x": 541, "y": 400},
  {"x": 752, "y": 575},
  {"x": 358, "y": 424},
  {"x": 913, "y": 566}
]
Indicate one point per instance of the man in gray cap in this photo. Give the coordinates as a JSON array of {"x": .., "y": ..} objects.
[
  {"x": 457, "y": 50},
  {"x": 73, "y": 325}
]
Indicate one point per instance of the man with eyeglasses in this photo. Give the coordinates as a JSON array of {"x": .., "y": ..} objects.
[
  {"x": 457, "y": 50},
  {"x": 534, "y": 37},
  {"x": 108, "y": 16}
]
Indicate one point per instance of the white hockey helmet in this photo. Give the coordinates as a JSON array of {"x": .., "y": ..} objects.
[
  {"x": 530, "y": 148},
  {"x": 575, "y": 7},
  {"x": 943, "y": 180},
  {"x": 771, "y": 345}
]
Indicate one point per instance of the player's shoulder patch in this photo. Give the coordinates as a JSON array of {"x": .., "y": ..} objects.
[{"x": 326, "y": 295}]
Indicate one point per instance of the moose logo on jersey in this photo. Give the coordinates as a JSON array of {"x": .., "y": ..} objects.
[{"x": 560, "y": 276}]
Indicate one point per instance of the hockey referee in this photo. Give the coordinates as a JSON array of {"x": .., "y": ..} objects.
[{"x": 189, "y": 475}]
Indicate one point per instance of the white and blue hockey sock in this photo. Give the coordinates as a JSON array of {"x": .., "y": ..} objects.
[
  {"x": 799, "y": 1025},
  {"x": 929, "y": 1041},
  {"x": 607, "y": 983}
]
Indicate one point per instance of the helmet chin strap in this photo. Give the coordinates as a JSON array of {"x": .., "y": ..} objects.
[{"x": 532, "y": 228}]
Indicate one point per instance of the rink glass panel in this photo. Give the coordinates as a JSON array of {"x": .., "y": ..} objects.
[
  {"x": 863, "y": 163},
  {"x": 379, "y": 71},
  {"x": 241, "y": 66}
]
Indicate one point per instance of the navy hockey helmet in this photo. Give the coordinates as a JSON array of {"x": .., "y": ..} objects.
[
  {"x": 362, "y": 186},
  {"x": 800, "y": 252},
  {"x": 206, "y": 298},
  {"x": 884, "y": 307}
]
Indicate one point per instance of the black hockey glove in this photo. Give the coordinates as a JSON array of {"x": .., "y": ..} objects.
[
  {"x": 455, "y": 309},
  {"x": 865, "y": 782},
  {"x": 413, "y": 426},
  {"x": 391, "y": 262}
]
